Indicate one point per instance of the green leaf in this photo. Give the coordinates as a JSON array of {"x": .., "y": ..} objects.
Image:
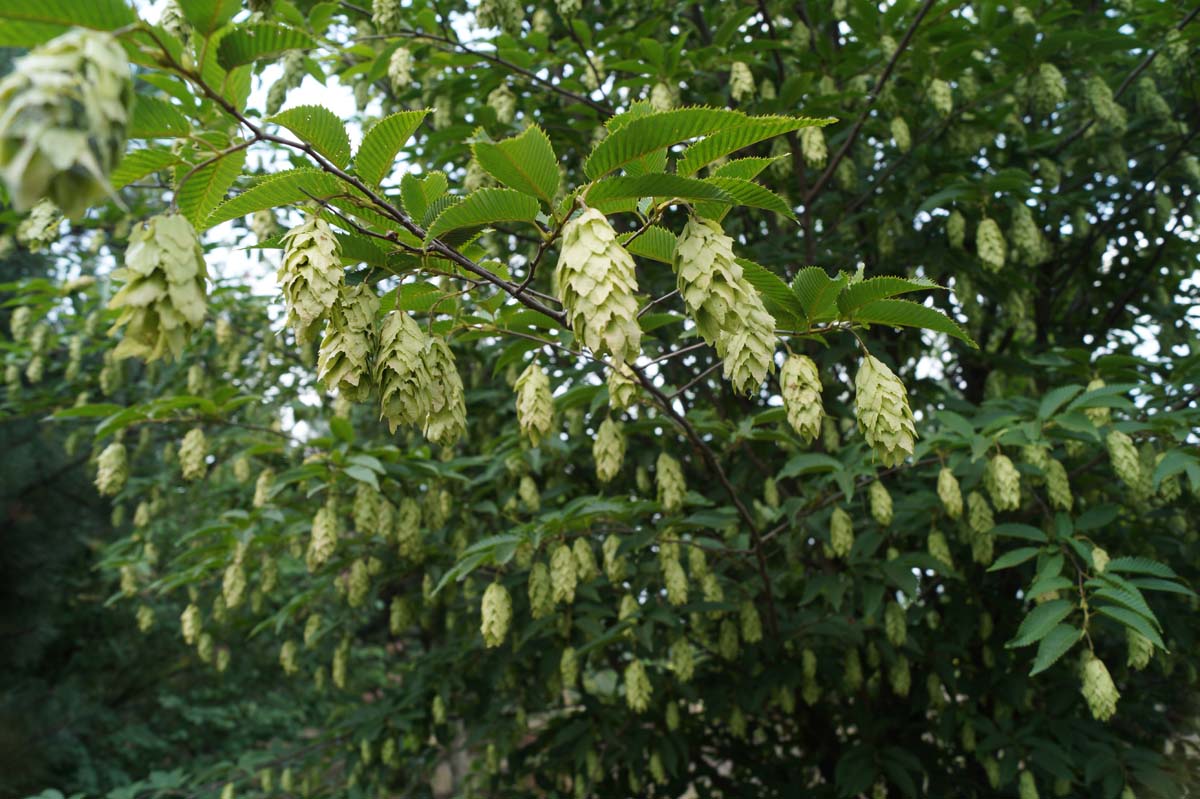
[
  {"x": 644, "y": 135},
  {"x": 246, "y": 44},
  {"x": 525, "y": 162},
  {"x": 1133, "y": 600},
  {"x": 363, "y": 475},
  {"x": 1040, "y": 621},
  {"x": 1014, "y": 558},
  {"x": 655, "y": 243},
  {"x": 658, "y": 186},
  {"x": 1018, "y": 530},
  {"x": 483, "y": 207},
  {"x": 1056, "y": 644},
  {"x": 382, "y": 142},
  {"x": 780, "y": 300},
  {"x": 208, "y": 15},
  {"x": 87, "y": 411},
  {"x": 855, "y": 295},
  {"x": 284, "y": 188},
  {"x": 744, "y": 168},
  {"x": 1055, "y": 399},
  {"x": 905, "y": 313},
  {"x": 1157, "y": 584},
  {"x": 1172, "y": 463},
  {"x": 419, "y": 194},
  {"x": 140, "y": 163},
  {"x": 1134, "y": 621},
  {"x": 48, "y": 16},
  {"x": 818, "y": 293},
  {"x": 744, "y": 193},
  {"x": 157, "y": 119},
  {"x": 1129, "y": 565},
  {"x": 751, "y": 131},
  {"x": 807, "y": 463},
  {"x": 319, "y": 127},
  {"x": 205, "y": 188}
]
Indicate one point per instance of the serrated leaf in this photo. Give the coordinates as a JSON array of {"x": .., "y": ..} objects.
[
  {"x": 137, "y": 164},
  {"x": 1014, "y": 558},
  {"x": 1158, "y": 584},
  {"x": 484, "y": 207},
  {"x": 858, "y": 294},
  {"x": 1056, "y": 644},
  {"x": 205, "y": 188},
  {"x": 905, "y": 313},
  {"x": 808, "y": 463},
  {"x": 382, "y": 142},
  {"x": 744, "y": 168},
  {"x": 285, "y": 188},
  {"x": 1132, "y": 600},
  {"x": 783, "y": 304},
  {"x": 1130, "y": 565},
  {"x": 656, "y": 243},
  {"x": 320, "y": 127},
  {"x": 246, "y": 44},
  {"x": 1053, "y": 400},
  {"x": 1172, "y": 463},
  {"x": 362, "y": 474},
  {"x": 744, "y": 193},
  {"x": 661, "y": 185},
  {"x": 157, "y": 119},
  {"x": 418, "y": 193},
  {"x": 646, "y": 134},
  {"x": 732, "y": 139},
  {"x": 50, "y": 15},
  {"x": 1128, "y": 618},
  {"x": 208, "y": 15},
  {"x": 1016, "y": 529},
  {"x": 525, "y": 162},
  {"x": 818, "y": 293},
  {"x": 1039, "y": 622}
]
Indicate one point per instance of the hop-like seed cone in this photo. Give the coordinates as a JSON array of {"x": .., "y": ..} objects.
[
  {"x": 741, "y": 81},
  {"x": 112, "y": 469},
  {"x": 728, "y": 645},
  {"x": 568, "y": 668},
  {"x": 1141, "y": 649},
  {"x": 344, "y": 359},
  {"x": 751, "y": 622},
  {"x": 193, "y": 454},
  {"x": 385, "y": 15},
  {"x": 401, "y": 371},
  {"x": 608, "y": 450},
  {"x": 562, "y": 574},
  {"x": 670, "y": 482},
  {"x": 812, "y": 147},
  {"x": 1097, "y": 687},
  {"x": 614, "y": 564},
  {"x": 990, "y": 245},
  {"x": 638, "y": 690},
  {"x": 541, "y": 597},
  {"x": 262, "y": 487},
  {"x": 447, "y": 419},
  {"x": 841, "y": 533},
  {"x": 956, "y": 230},
  {"x": 310, "y": 274},
  {"x": 800, "y": 386},
  {"x": 883, "y": 413},
  {"x": 1128, "y": 464},
  {"x": 163, "y": 298},
  {"x": 622, "y": 387},
  {"x": 496, "y": 612},
  {"x": 900, "y": 676},
  {"x": 324, "y": 538},
  {"x": 895, "y": 624},
  {"x": 682, "y": 660},
  {"x": 586, "y": 567},
  {"x": 597, "y": 284},
  {"x": 727, "y": 310},
  {"x": 941, "y": 97},
  {"x": 64, "y": 111},
  {"x": 535, "y": 403},
  {"x": 852, "y": 671},
  {"x": 400, "y": 69},
  {"x": 949, "y": 493},
  {"x": 1026, "y": 786},
  {"x": 901, "y": 134},
  {"x": 675, "y": 580},
  {"x": 504, "y": 103},
  {"x": 939, "y": 548},
  {"x": 979, "y": 514},
  {"x": 1003, "y": 483},
  {"x": 881, "y": 503},
  {"x": 1029, "y": 246}
]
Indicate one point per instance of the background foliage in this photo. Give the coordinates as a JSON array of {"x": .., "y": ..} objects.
[{"x": 899, "y": 663}]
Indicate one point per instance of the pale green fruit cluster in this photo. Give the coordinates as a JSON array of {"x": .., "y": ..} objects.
[
  {"x": 386, "y": 15},
  {"x": 800, "y": 387},
  {"x": 446, "y": 421},
  {"x": 1141, "y": 649},
  {"x": 1049, "y": 88},
  {"x": 881, "y": 503},
  {"x": 751, "y": 622},
  {"x": 615, "y": 565},
  {"x": 400, "y": 68},
  {"x": 841, "y": 533},
  {"x": 741, "y": 82},
  {"x": 1100, "y": 415},
  {"x": 956, "y": 229},
  {"x": 900, "y": 676},
  {"x": 292, "y": 77},
  {"x": 288, "y": 654},
  {"x": 813, "y": 148},
  {"x": 586, "y": 567},
  {"x": 401, "y": 372},
  {"x": 262, "y": 487},
  {"x": 1110, "y": 116},
  {"x": 40, "y": 228},
  {"x": 682, "y": 660},
  {"x": 1058, "y": 485},
  {"x": 949, "y": 493},
  {"x": 670, "y": 482},
  {"x": 504, "y": 103},
  {"x": 535, "y": 404},
  {"x": 1150, "y": 102},
  {"x": 193, "y": 454},
  {"x": 163, "y": 298},
  {"x": 1029, "y": 246},
  {"x": 990, "y": 246},
  {"x": 507, "y": 15},
  {"x": 939, "y": 548},
  {"x": 895, "y": 624},
  {"x": 979, "y": 514},
  {"x": 1003, "y": 482},
  {"x": 728, "y": 311},
  {"x": 901, "y": 134},
  {"x": 622, "y": 387},
  {"x": 66, "y": 108},
  {"x": 608, "y": 450},
  {"x": 675, "y": 580},
  {"x": 941, "y": 97},
  {"x": 496, "y": 612},
  {"x": 541, "y": 597},
  {"x": 1097, "y": 687},
  {"x": 310, "y": 274},
  {"x": 233, "y": 581},
  {"x": 343, "y": 360},
  {"x": 408, "y": 530},
  {"x": 884, "y": 417},
  {"x": 1128, "y": 464},
  {"x": 597, "y": 284},
  {"x": 1026, "y": 787},
  {"x": 562, "y": 575},
  {"x": 112, "y": 469},
  {"x": 662, "y": 97},
  {"x": 638, "y": 690},
  {"x": 324, "y": 537}
]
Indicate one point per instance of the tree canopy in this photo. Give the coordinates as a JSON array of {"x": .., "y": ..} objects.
[{"x": 623, "y": 399}]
